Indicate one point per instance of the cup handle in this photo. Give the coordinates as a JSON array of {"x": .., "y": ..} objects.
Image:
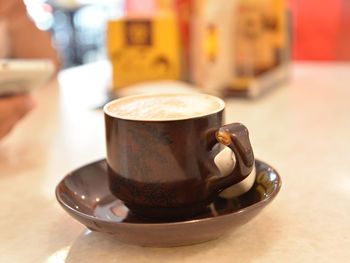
[{"x": 236, "y": 137}]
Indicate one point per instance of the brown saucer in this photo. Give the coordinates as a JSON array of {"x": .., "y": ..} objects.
[{"x": 85, "y": 195}]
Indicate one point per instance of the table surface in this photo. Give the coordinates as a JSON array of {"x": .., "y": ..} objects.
[{"x": 302, "y": 129}]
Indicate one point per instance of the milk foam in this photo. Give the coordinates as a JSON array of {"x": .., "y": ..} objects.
[{"x": 164, "y": 107}]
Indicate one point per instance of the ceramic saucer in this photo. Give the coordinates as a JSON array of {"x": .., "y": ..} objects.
[{"x": 85, "y": 195}]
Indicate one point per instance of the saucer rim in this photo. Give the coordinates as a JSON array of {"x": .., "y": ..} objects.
[{"x": 267, "y": 200}]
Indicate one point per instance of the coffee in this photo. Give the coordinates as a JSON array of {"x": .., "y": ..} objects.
[{"x": 164, "y": 107}]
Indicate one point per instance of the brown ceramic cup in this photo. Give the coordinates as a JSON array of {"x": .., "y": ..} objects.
[{"x": 162, "y": 166}]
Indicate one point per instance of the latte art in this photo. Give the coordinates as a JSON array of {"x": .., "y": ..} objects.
[{"x": 164, "y": 107}]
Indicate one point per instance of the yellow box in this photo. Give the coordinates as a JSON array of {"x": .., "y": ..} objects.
[
  {"x": 261, "y": 51},
  {"x": 143, "y": 49}
]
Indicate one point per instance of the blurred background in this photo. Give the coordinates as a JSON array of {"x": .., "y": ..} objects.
[
  {"x": 77, "y": 27},
  {"x": 241, "y": 45}
]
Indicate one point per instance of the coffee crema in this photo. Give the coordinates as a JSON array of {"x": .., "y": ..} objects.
[{"x": 164, "y": 107}]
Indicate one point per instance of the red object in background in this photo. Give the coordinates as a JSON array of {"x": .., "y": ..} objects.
[
  {"x": 137, "y": 7},
  {"x": 343, "y": 43},
  {"x": 183, "y": 10},
  {"x": 321, "y": 30}
]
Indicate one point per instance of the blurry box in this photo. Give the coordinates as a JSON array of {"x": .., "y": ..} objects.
[
  {"x": 261, "y": 48},
  {"x": 211, "y": 43},
  {"x": 239, "y": 47},
  {"x": 143, "y": 49}
]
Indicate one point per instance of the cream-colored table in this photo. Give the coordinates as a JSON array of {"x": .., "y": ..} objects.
[{"x": 302, "y": 129}]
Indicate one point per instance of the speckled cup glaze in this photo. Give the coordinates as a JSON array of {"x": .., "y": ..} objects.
[{"x": 165, "y": 168}]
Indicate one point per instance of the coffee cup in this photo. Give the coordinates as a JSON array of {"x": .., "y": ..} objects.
[{"x": 161, "y": 150}]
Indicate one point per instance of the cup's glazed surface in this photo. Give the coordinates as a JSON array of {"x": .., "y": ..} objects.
[{"x": 166, "y": 168}]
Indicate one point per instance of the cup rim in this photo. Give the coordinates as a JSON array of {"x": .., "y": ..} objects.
[{"x": 220, "y": 108}]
